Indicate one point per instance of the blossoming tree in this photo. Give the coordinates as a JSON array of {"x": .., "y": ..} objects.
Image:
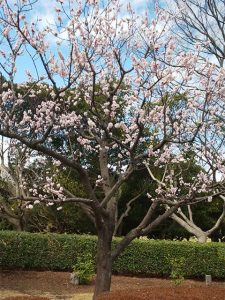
[{"x": 126, "y": 69}]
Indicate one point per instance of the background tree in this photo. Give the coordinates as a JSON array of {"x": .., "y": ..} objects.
[
  {"x": 12, "y": 182},
  {"x": 201, "y": 23},
  {"x": 188, "y": 223}
]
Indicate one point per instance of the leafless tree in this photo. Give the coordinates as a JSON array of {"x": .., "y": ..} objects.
[
  {"x": 201, "y": 22},
  {"x": 188, "y": 223}
]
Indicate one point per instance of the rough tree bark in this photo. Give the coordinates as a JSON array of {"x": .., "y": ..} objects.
[
  {"x": 103, "y": 261},
  {"x": 15, "y": 222}
]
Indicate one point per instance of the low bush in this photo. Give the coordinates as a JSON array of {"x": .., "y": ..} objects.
[
  {"x": 145, "y": 257},
  {"x": 177, "y": 271},
  {"x": 84, "y": 268}
]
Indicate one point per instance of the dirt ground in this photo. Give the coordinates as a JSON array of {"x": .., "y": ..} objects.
[
  {"x": 56, "y": 285},
  {"x": 167, "y": 293}
]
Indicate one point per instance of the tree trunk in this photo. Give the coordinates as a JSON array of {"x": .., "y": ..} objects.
[
  {"x": 18, "y": 226},
  {"x": 104, "y": 262},
  {"x": 202, "y": 238},
  {"x": 15, "y": 222},
  {"x": 192, "y": 228}
]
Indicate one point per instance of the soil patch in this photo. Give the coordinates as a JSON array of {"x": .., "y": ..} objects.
[
  {"x": 52, "y": 285},
  {"x": 167, "y": 293},
  {"x": 25, "y": 298},
  {"x": 56, "y": 285}
]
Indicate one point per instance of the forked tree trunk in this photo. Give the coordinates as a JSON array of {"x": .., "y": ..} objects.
[
  {"x": 104, "y": 262},
  {"x": 17, "y": 224},
  {"x": 202, "y": 238}
]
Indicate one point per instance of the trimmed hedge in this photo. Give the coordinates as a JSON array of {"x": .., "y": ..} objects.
[
  {"x": 156, "y": 258},
  {"x": 147, "y": 257},
  {"x": 42, "y": 251}
]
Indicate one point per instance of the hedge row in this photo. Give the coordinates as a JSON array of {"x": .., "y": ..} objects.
[{"x": 147, "y": 257}]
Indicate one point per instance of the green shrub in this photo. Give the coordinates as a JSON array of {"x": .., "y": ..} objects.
[
  {"x": 147, "y": 257},
  {"x": 177, "y": 269},
  {"x": 84, "y": 268}
]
